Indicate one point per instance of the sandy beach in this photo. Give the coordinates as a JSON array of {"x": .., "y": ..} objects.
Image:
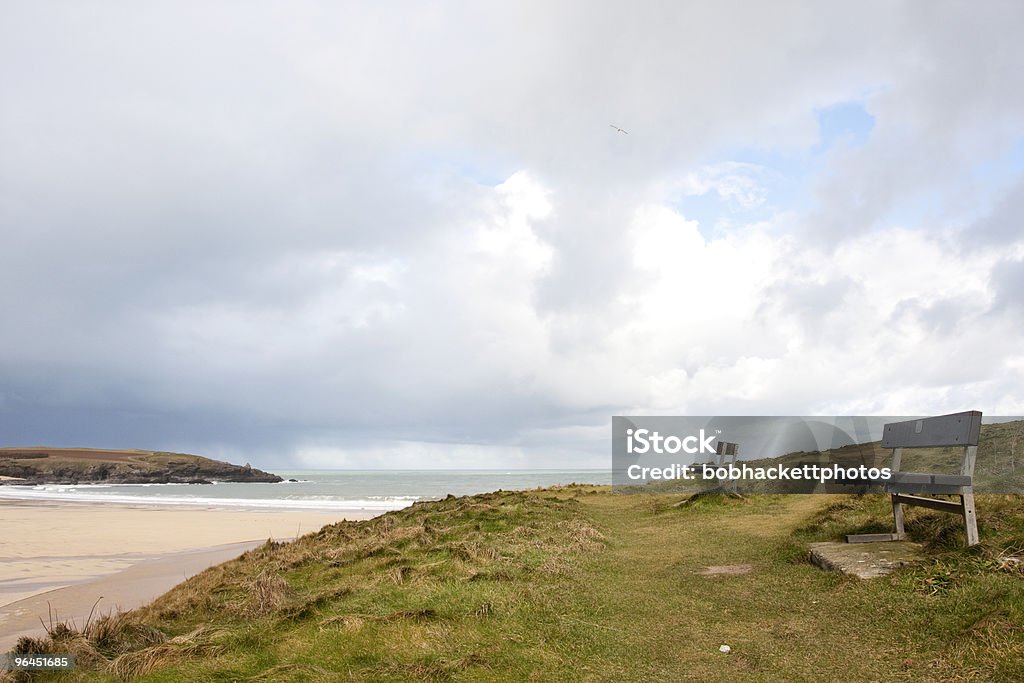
[{"x": 71, "y": 554}]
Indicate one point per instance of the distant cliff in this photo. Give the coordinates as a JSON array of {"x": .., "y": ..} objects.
[{"x": 88, "y": 466}]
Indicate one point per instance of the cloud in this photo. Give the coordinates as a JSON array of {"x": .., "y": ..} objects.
[
  {"x": 1008, "y": 282},
  {"x": 1002, "y": 226},
  {"x": 317, "y": 235},
  {"x": 732, "y": 181}
]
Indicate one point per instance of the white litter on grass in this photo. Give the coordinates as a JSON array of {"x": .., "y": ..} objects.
[{"x": 725, "y": 649}]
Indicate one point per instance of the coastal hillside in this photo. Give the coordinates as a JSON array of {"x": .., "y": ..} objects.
[
  {"x": 90, "y": 466},
  {"x": 581, "y": 583}
]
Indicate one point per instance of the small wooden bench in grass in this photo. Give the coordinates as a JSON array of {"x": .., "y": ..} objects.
[
  {"x": 916, "y": 488},
  {"x": 727, "y": 452}
]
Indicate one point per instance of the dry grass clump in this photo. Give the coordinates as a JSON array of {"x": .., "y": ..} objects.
[
  {"x": 100, "y": 644},
  {"x": 355, "y": 622},
  {"x": 121, "y": 632},
  {"x": 352, "y": 622},
  {"x": 557, "y": 565},
  {"x": 475, "y": 507},
  {"x": 429, "y": 669},
  {"x": 399, "y": 574},
  {"x": 472, "y": 551},
  {"x": 97, "y": 640},
  {"x": 31, "y": 646},
  {"x": 582, "y": 536},
  {"x": 303, "y": 558},
  {"x": 267, "y": 550},
  {"x": 496, "y": 575},
  {"x": 201, "y": 642},
  {"x": 389, "y": 540},
  {"x": 266, "y": 593}
]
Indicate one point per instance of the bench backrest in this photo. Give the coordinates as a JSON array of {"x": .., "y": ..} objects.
[
  {"x": 958, "y": 429},
  {"x": 726, "y": 448}
]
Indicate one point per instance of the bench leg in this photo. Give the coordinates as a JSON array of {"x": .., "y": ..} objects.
[
  {"x": 970, "y": 518},
  {"x": 897, "y": 515}
]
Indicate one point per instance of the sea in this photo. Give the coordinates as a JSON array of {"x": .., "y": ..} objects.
[{"x": 373, "y": 491}]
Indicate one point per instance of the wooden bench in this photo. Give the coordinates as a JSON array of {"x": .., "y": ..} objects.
[
  {"x": 916, "y": 488},
  {"x": 727, "y": 452}
]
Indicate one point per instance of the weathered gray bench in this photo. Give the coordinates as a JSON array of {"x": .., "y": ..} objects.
[
  {"x": 915, "y": 488},
  {"x": 727, "y": 452}
]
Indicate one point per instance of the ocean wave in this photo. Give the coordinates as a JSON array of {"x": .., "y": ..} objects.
[
  {"x": 90, "y": 486},
  {"x": 326, "y": 503}
]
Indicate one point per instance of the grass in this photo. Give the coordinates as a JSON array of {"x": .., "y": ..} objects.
[{"x": 583, "y": 584}]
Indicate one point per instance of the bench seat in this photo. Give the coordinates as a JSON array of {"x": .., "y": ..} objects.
[{"x": 921, "y": 482}]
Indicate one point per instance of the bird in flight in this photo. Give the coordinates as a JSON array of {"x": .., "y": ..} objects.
[{"x": 618, "y": 129}]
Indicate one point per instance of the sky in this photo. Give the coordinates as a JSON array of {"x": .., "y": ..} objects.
[{"x": 409, "y": 235}]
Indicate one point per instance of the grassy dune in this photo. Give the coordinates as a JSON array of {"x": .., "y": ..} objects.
[{"x": 583, "y": 584}]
